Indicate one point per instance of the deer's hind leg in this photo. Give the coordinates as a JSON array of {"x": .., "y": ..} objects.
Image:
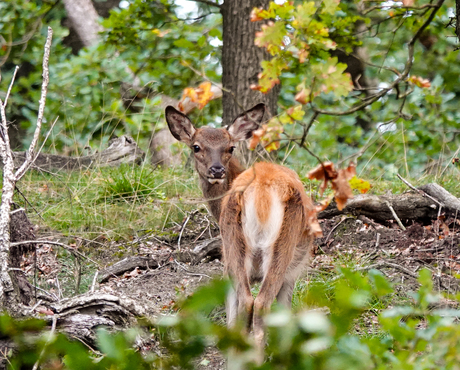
[
  {"x": 302, "y": 257},
  {"x": 277, "y": 280},
  {"x": 240, "y": 302}
]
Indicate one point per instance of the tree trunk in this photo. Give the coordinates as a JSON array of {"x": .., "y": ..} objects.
[
  {"x": 241, "y": 60},
  {"x": 8, "y": 296},
  {"x": 83, "y": 17}
]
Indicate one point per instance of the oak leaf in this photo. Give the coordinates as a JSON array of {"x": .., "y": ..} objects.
[{"x": 338, "y": 179}]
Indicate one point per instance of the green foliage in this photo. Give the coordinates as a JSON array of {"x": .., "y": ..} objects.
[
  {"x": 145, "y": 40},
  {"x": 300, "y": 37},
  {"x": 415, "y": 336},
  {"x": 411, "y": 126}
]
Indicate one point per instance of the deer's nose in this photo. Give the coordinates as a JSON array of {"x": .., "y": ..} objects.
[{"x": 217, "y": 171}]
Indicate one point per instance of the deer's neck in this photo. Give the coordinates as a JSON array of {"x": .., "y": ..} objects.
[{"x": 214, "y": 193}]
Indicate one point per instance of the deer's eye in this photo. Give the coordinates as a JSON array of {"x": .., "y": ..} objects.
[
  {"x": 196, "y": 148},
  {"x": 232, "y": 148}
]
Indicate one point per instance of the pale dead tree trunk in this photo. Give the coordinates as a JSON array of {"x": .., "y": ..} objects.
[
  {"x": 83, "y": 17},
  {"x": 241, "y": 60},
  {"x": 8, "y": 297}
]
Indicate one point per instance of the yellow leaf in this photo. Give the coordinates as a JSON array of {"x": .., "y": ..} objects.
[{"x": 360, "y": 184}]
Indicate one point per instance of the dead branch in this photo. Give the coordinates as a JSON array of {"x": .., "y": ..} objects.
[
  {"x": 41, "y": 109},
  {"x": 408, "y": 206},
  {"x": 121, "y": 150},
  {"x": 8, "y": 296}
]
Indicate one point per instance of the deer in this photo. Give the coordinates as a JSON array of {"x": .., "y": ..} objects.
[{"x": 267, "y": 222}]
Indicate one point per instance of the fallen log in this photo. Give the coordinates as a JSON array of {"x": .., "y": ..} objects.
[
  {"x": 127, "y": 264},
  {"x": 121, "y": 150},
  {"x": 412, "y": 205},
  {"x": 208, "y": 248},
  {"x": 80, "y": 316}
]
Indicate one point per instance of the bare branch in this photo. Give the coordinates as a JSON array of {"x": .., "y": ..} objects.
[
  {"x": 41, "y": 109},
  {"x": 11, "y": 86},
  {"x": 208, "y": 2},
  {"x": 306, "y": 128},
  {"x": 406, "y": 8}
]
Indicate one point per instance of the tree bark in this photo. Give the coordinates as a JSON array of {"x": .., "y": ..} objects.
[
  {"x": 241, "y": 60},
  {"x": 83, "y": 17},
  {"x": 414, "y": 206},
  {"x": 21, "y": 229}
]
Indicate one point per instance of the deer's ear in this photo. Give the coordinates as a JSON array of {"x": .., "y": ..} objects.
[
  {"x": 180, "y": 125},
  {"x": 247, "y": 122}
]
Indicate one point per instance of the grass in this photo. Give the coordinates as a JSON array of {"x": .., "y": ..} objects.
[
  {"x": 108, "y": 206},
  {"x": 113, "y": 203}
]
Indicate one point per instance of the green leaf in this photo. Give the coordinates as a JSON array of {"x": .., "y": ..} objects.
[
  {"x": 184, "y": 43},
  {"x": 206, "y": 298},
  {"x": 330, "y": 6}
]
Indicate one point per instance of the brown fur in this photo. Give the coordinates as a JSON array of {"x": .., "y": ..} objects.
[
  {"x": 290, "y": 252},
  {"x": 253, "y": 247}
]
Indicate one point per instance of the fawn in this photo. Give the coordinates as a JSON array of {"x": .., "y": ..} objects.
[{"x": 267, "y": 221}]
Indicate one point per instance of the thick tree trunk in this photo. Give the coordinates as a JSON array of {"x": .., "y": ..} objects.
[
  {"x": 83, "y": 17},
  {"x": 241, "y": 60}
]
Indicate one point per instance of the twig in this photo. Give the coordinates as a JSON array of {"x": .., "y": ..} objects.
[
  {"x": 35, "y": 306},
  {"x": 421, "y": 192},
  {"x": 189, "y": 272},
  {"x": 46, "y": 138},
  {"x": 208, "y": 2},
  {"x": 41, "y": 109},
  {"x": 402, "y": 77},
  {"x": 406, "y": 8},
  {"x": 307, "y": 127},
  {"x": 27, "y": 201},
  {"x": 11, "y": 85},
  {"x": 77, "y": 275},
  {"x": 58, "y": 286},
  {"x": 93, "y": 285},
  {"x": 52, "y": 295},
  {"x": 183, "y": 227},
  {"x": 48, "y": 341},
  {"x": 65, "y": 246},
  {"x": 199, "y": 236},
  {"x": 335, "y": 227},
  {"x": 395, "y": 215},
  {"x": 399, "y": 267}
]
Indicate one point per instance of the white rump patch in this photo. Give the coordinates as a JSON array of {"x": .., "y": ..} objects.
[{"x": 261, "y": 236}]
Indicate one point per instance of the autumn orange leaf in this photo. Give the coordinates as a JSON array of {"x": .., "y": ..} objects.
[
  {"x": 201, "y": 95},
  {"x": 303, "y": 96},
  {"x": 420, "y": 81},
  {"x": 338, "y": 179},
  {"x": 256, "y": 136}
]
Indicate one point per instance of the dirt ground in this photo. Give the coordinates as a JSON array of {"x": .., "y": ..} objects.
[{"x": 398, "y": 253}]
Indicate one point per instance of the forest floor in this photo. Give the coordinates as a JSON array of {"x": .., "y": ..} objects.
[
  {"x": 177, "y": 228},
  {"x": 347, "y": 242}
]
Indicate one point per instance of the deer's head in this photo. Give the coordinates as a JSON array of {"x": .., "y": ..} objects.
[{"x": 213, "y": 147}]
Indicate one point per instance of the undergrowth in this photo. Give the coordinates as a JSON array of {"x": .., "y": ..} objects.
[
  {"x": 115, "y": 203},
  {"x": 412, "y": 335}
]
